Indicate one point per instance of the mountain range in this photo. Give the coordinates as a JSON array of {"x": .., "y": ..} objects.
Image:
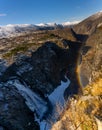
[
  {"x": 88, "y": 25},
  {"x": 13, "y": 30}
]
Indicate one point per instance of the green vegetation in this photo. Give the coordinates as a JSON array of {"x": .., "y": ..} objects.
[
  {"x": 18, "y": 49},
  {"x": 32, "y": 41},
  {"x": 27, "y": 42},
  {"x": 48, "y": 36}
]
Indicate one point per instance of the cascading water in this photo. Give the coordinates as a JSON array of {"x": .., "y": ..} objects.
[{"x": 33, "y": 101}]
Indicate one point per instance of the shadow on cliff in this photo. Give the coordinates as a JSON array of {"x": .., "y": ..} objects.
[
  {"x": 75, "y": 59},
  {"x": 44, "y": 70}
]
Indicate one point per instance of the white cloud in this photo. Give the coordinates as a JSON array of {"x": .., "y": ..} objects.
[{"x": 1, "y": 15}]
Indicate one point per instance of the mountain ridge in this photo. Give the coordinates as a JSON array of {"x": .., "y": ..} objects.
[
  {"x": 14, "y": 29},
  {"x": 89, "y": 25}
]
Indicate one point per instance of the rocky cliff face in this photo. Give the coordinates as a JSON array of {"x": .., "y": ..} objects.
[
  {"x": 92, "y": 57},
  {"x": 42, "y": 72}
]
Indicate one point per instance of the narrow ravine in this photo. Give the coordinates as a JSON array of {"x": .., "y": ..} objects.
[{"x": 41, "y": 106}]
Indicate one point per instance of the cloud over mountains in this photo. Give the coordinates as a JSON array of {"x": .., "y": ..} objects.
[{"x": 3, "y": 14}]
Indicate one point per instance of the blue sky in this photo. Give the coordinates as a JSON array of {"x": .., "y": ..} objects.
[{"x": 45, "y": 11}]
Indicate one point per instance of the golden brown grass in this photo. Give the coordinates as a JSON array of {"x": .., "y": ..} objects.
[{"x": 80, "y": 112}]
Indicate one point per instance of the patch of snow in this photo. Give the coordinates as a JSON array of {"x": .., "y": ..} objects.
[
  {"x": 57, "y": 95},
  {"x": 51, "y": 24},
  {"x": 46, "y": 24},
  {"x": 18, "y": 25},
  {"x": 70, "y": 23},
  {"x": 42, "y": 25}
]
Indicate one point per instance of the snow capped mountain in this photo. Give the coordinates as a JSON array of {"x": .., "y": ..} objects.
[
  {"x": 70, "y": 23},
  {"x": 11, "y": 30},
  {"x": 16, "y": 29},
  {"x": 46, "y": 24},
  {"x": 97, "y": 15}
]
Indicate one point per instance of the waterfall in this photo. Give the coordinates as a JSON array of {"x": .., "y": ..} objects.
[
  {"x": 32, "y": 100},
  {"x": 39, "y": 105}
]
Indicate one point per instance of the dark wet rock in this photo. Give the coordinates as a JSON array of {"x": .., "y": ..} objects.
[{"x": 14, "y": 114}]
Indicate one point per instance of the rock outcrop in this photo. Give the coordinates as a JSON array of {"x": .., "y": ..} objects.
[{"x": 42, "y": 72}]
